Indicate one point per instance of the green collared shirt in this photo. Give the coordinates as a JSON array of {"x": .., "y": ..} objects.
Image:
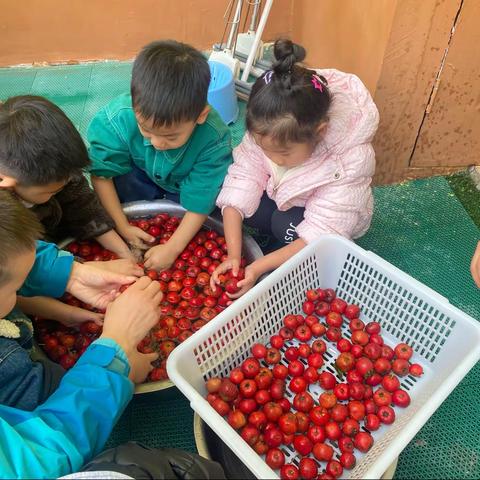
[{"x": 195, "y": 170}]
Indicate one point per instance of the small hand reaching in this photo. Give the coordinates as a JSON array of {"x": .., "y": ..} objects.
[
  {"x": 122, "y": 266},
  {"x": 128, "y": 254},
  {"x": 136, "y": 237},
  {"x": 80, "y": 315},
  {"x": 131, "y": 316},
  {"x": 251, "y": 276},
  {"x": 229, "y": 264},
  {"x": 140, "y": 365},
  {"x": 95, "y": 286},
  {"x": 159, "y": 258},
  {"x": 53, "y": 309}
]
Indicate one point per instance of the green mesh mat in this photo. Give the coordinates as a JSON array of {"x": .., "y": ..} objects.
[
  {"x": 422, "y": 228},
  {"x": 81, "y": 90},
  {"x": 419, "y": 226},
  {"x": 162, "y": 419}
]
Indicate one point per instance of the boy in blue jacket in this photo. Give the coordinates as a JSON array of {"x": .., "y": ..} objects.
[
  {"x": 25, "y": 384},
  {"x": 73, "y": 424}
]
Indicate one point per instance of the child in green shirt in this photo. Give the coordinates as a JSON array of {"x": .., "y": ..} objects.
[{"x": 161, "y": 141}]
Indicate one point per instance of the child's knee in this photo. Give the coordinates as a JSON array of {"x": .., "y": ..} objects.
[{"x": 283, "y": 230}]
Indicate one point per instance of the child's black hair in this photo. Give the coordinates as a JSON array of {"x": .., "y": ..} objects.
[
  {"x": 19, "y": 230},
  {"x": 169, "y": 83},
  {"x": 289, "y": 102},
  {"x": 38, "y": 143}
]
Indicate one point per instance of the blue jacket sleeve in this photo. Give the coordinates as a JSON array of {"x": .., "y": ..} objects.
[
  {"x": 50, "y": 273},
  {"x": 73, "y": 425}
]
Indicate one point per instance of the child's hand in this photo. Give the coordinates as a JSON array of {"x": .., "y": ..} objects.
[
  {"x": 232, "y": 264},
  {"x": 475, "y": 266},
  {"x": 122, "y": 266},
  {"x": 78, "y": 315},
  {"x": 247, "y": 283},
  {"x": 96, "y": 286},
  {"x": 159, "y": 258},
  {"x": 135, "y": 236},
  {"x": 140, "y": 365},
  {"x": 128, "y": 254},
  {"x": 112, "y": 241},
  {"x": 131, "y": 316},
  {"x": 53, "y": 309}
]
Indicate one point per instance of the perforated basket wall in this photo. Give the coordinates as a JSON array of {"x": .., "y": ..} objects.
[{"x": 446, "y": 341}]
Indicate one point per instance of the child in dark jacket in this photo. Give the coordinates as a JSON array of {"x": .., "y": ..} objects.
[{"x": 42, "y": 157}]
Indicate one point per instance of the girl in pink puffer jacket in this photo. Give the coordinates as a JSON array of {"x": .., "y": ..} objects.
[{"x": 304, "y": 167}]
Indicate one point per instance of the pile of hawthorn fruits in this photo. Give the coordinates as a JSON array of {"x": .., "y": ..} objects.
[
  {"x": 280, "y": 398},
  {"x": 189, "y": 302}
]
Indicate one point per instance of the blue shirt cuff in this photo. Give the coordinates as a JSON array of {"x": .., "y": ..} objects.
[
  {"x": 50, "y": 273},
  {"x": 107, "y": 353}
]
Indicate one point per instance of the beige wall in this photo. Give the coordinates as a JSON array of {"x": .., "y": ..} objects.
[
  {"x": 346, "y": 34},
  {"x": 350, "y": 35},
  {"x": 63, "y": 30},
  {"x": 394, "y": 46}
]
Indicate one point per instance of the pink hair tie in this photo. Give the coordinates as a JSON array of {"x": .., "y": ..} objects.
[{"x": 317, "y": 82}]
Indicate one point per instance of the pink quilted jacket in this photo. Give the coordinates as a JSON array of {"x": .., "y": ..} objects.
[{"x": 333, "y": 185}]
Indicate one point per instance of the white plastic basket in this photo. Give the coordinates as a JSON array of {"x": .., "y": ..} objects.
[{"x": 445, "y": 340}]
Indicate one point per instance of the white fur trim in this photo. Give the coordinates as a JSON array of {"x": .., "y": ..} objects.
[{"x": 8, "y": 329}]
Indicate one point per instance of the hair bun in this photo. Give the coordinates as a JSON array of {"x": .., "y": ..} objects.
[{"x": 287, "y": 54}]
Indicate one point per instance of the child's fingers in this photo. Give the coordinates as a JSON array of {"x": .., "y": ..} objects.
[
  {"x": 151, "y": 250},
  {"x": 214, "y": 280},
  {"x": 241, "y": 292},
  {"x": 242, "y": 283},
  {"x": 151, "y": 356},
  {"x": 158, "y": 298},
  {"x": 145, "y": 236},
  {"x": 149, "y": 264},
  {"x": 148, "y": 260},
  {"x": 235, "y": 268},
  {"x": 114, "y": 278},
  {"x": 153, "y": 289},
  {"x": 137, "y": 244},
  {"x": 141, "y": 284},
  {"x": 136, "y": 270}
]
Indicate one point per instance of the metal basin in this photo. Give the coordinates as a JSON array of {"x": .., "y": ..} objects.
[{"x": 251, "y": 252}]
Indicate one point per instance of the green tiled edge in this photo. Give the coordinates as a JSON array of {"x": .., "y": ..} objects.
[{"x": 16, "y": 81}]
